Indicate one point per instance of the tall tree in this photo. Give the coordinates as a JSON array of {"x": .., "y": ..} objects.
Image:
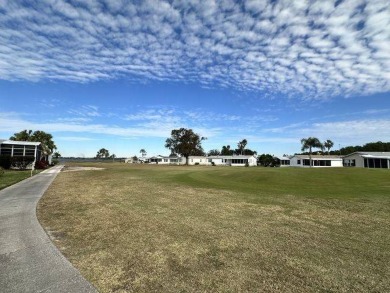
[
  {"x": 226, "y": 151},
  {"x": 143, "y": 152},
  {"x": 185, "y": 142},
  {"x": 328, "y": 144},
  {"x": 46, "y": 139},
  {"x": 310, "y": 143},
  {"x": 241, "y": 146},
  {"x": 102, "y": 153}
]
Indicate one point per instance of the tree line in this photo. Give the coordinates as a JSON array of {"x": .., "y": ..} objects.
[{"x": 368, "y": 147}]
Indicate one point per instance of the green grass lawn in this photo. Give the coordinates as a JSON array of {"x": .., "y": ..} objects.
[
  {"x": 144, "y": 228},
  {"x": 11, "y": 177}
]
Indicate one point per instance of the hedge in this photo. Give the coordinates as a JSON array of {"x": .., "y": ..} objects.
[{"x": 5, "y": 161}]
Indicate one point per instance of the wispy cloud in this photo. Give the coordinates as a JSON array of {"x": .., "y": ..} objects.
[
  {"x": 86, "y": 111},
  {"x": 150, "y": 128},
  {"x": 73, "y": 138},
  {"x": 347, "y": 132},
  {"x": 310, "y": 49}
]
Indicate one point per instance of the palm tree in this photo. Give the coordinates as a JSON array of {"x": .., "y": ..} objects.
[
  {"x": 328, "y": 144},
  {"x": 143, "y": 152},
  {"x": 309, "y": 143},
  {"x": 241, "y": 145}
]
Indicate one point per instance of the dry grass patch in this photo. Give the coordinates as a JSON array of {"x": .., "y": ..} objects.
[{"x": 132, "y": 231}]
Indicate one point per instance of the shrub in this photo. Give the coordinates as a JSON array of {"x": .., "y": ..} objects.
[
  {"x": 5, "y": 161},
  {"x": 212, "y": 163},
  {"x": 1, "y": 171},
  {"x": 196, "y": 163},
  {"x": 21, "y": 163},
  {"x": 42, "y": 164},
  {"x": 54, "y": 162}
]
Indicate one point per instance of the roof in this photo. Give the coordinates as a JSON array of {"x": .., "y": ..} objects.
[
  {"x": 283, "y": 158},
  {"x": 164, "y": 157},
  {"x": 382, "y": 155},
  {"x": 231, "y": 157},
  {"x": 376, "y": 157},
  {"x": 324, "y": 157},
  {"x": 14, "y": 142}
]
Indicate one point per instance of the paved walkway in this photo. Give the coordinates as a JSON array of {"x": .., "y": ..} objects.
[{"x": 29, "y": 262}]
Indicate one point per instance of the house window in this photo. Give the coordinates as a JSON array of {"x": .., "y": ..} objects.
[
  {"x": 18, "y": 150},
  {"x": 30, "y": 150},
  {"x": 239, "y": 161},
  {"x": 376, "y": 163},
  {"x": 298, "y": 162},
  {"x": 165, "y": 160},
  {"x": 6, "y": 150}
]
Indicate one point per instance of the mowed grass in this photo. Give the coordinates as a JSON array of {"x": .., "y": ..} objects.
[
  {"x": 11, "y": 177},
  {"x": 144, "y": 228}
]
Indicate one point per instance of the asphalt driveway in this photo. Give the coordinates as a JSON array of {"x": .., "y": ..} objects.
[{"x": 29, "y": 262}]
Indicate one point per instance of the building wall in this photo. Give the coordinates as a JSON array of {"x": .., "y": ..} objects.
[
  {"x": 299, "y": 162},
  {"x": 296, "y": 162},
  {"x": 359, "y": 160},
  {"x": 218, "y": 161},
  {"x": 192, "y": 160}
]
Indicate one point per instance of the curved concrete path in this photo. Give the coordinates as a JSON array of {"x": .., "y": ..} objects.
[{"x": 29, "y": 262}]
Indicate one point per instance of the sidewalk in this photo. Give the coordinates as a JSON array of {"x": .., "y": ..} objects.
[{"x": 29, "y": 262}]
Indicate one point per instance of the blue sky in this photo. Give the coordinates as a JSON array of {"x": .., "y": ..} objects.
[{"x": 122, "y": 75}]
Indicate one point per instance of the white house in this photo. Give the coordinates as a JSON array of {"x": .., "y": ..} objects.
[
  {"x": 167, "y": 160},
  {"x": 317, "y": 161},
  {"x": 198, "y": 160},
  {"x": 140, "y": 160},
  {"x": 240, "y": 160},
  {"x": 204, "y": 160},
  {"x": 368, "y": 160}
]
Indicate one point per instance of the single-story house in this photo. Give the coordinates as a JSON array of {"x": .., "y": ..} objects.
[
  {"x": 284, "y": 161},
  {"x": 21, "y": 149},
  {"x": 140, "y": 160},
  {"x": 198, "y": 160},
  {"x": 317, "y": 161},
  {"x": 206, "y": 161},
  {"x": 143, "y": 160},
  {"x": 240, "y": 160},
  {"x": 368, "y": 160},
  {"x": 167, "y": 160}
]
